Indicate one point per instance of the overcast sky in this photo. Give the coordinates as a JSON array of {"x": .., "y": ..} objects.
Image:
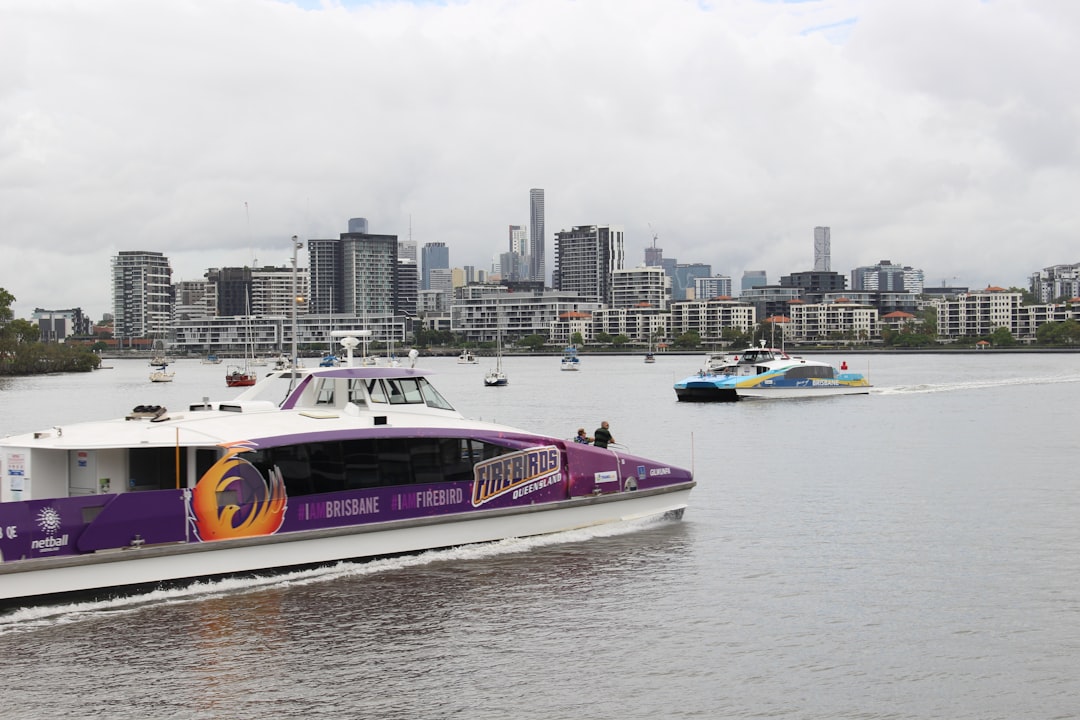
[{"x": 941, "y": 134}]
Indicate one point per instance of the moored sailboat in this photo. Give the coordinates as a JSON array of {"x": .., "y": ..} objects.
[{"x": 497, "y": 377}]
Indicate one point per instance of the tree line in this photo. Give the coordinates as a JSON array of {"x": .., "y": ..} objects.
[{"x": 23, "y": 353}]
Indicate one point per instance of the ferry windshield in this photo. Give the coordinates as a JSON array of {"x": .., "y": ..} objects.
[{"x": 406, "y": 391}]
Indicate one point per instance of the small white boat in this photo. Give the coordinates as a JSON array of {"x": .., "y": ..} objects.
[
  {"x": 570, "y": 360},
  {"x": 467, "y": 358},
  {"x": 162, "y": 374},
  {"x": 762, "y": 372},
  {"x": 353, "y": 463}
]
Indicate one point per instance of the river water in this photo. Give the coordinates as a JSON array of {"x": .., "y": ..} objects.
[{"x": 908, "y": 554}]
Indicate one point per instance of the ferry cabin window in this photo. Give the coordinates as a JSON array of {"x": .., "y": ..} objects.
[
  {"x": 406, "y": 391},
  {"x": 809, "y": 371},
  {"x": 322, "y": 467},
  {"x": 356, "y": 393},
  {"x": 324, "y": 392},
  {"x": 432, "y": 396},
  {"x": 155, "y": 468},
  {"x": 376, "y": 391}
]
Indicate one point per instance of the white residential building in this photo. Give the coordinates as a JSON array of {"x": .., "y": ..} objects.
[
  {"x": 640, "y": 287},
  {"x": 815, "y": 322},
  {"x": 712, "y": 287},
  {"x": 478, "y": 310},
  {"x": 978, "y": 313},
  {"x": 709, "y": 318}
]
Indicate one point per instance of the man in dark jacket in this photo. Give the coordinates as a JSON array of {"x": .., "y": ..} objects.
[{"x": 602, "y": 436}]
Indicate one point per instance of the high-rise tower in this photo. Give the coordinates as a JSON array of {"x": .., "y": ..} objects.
[
  {"x": 369, "y": 280},
  {"x": 537, "y": 267},
  {"x": 586, "y": 258},
  {"x": 142, "y": 294},
  {"x": 822, "y": 261},
  {"x": 433, "y": 255}
]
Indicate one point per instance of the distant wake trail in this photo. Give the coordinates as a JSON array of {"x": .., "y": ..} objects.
[{"x": 974, "y": 385}]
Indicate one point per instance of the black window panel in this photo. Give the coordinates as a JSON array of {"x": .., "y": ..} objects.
[{"x": 155, "y": 469}]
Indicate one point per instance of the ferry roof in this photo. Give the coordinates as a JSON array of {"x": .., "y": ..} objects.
[{"x": 251, "y": 418}]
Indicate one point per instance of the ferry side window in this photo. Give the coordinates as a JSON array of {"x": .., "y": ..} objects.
[
  {"x": 456, "y": 459},
  {"x": 361, "y": 460},
  {"x": 412, "y": 392},
  {"x": 327, "y": 466},
  {"x": 376, "y": 391},
  {"x": 426, "y": 460},
  {"x": 324, "y": 395},
  {"x": 395, "y": 467},
  {"x": 356, "y": 392},
  {"x": 397, "y": 395},
  {"x": 204, "y": 460},
  {"x": 488, "y": 450},
  {"x": 432, "y": 396}
]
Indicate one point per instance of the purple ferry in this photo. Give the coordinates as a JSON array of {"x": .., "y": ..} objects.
[{"x": 307, "y": 467}]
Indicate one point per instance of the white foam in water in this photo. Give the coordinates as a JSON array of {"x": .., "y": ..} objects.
[
  {"x": 29, "y": 618},
  {"x": 974, "y": 385}
]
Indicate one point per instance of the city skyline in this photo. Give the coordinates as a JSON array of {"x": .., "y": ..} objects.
[{"x": 729, "y": 132}]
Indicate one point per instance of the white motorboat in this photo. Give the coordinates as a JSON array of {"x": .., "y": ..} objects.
[
  {"x": 570, "y": 359},
  {"x": 763, "y": 372}
]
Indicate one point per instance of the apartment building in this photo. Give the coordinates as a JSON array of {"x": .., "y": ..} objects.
[{"x": 709, "y": 318}]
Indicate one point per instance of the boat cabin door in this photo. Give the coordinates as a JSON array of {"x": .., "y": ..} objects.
[{"x": 82, "y": 473}]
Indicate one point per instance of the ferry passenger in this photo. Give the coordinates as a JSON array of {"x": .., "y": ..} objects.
[
  {"x": 602, "y": 436},
  {"x": 582, "y": 437}
]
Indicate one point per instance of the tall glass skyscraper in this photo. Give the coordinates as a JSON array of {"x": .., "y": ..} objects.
[
  {"x": 434, "y": 255},
  {"x": 537, "y": 267}
]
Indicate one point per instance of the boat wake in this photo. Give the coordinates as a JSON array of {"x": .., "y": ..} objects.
[
  {"x": 35, "y": 617},
  {"x": 973, "y": 385}
]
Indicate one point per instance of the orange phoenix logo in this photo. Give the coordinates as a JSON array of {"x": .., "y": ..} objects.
[{"x": 238, "y": 477}]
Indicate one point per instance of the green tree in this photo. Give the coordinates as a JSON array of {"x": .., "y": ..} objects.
[
  {"x": 1026, "y": 296},
  {"x": 6, "y": 301},
  {"x": 688, "y": 341},
  {"x": 22, "y": 331},
  {"x": 619, "y": 340},
  {"x": 533, "y": 342},
  {"x": 602, "y": 338},
  {"x": 928, "y": 319},
  {"x": 21, "y": 353},
  {"x": 576, "y": 339},
  {"x": 1062, "y": 333},
  {"x": 734, "y": 337},
  {"x": 1002, "y": 337}
]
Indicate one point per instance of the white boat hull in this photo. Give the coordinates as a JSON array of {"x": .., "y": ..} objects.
[
  {"x": 158, "y": 564},
  {"x": 780, "y": 393}
]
